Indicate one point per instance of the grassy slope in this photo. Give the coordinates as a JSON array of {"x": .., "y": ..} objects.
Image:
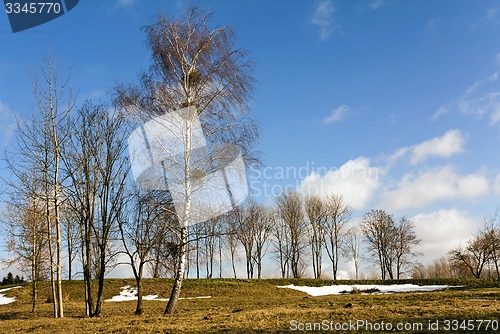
[{"x": 245, "y": 306}]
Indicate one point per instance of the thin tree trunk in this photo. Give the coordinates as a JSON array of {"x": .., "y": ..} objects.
[
  {"x": 34, "y": 271},
  {"x": 176, "y": 291},
  {"x": 220, "y": 257},
  {"x": 100, "y": 284},
  {"x": 87, "y": 271},
  {"x": 138, "y": 280},
  {"x": 52, "y": 282}
]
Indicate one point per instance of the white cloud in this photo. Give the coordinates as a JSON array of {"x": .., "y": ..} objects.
[
  {"x": 322, "y": 17},
  {"x": 484, "y": 105},
  {"x": 434, "y": 185},
  {"x": 440, "y": 112},
  {"x": 452, "y": 142},
  {"x": 482, "y": 99},
  {"x": 356, "y": 181},
  {"x": 441, "y": 231},
  {"x": 445, "y": 146},
  {"x": 337, "y": 114}
]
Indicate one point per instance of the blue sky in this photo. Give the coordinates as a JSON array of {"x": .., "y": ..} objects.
[{"x": 394, "y": 104}]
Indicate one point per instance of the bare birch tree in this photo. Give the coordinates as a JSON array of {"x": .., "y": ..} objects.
[
  {"x": 291, "y": 210},
  {"x": 199, "y": 69},
  {"x": 337, "y": 215},
  {"x": 38, "y": 149},
  {"x": 262, "y": 230},
  {"x": 316, "y": 212},
  {"x": 352, "y": 248},
  {"x": 282, "y": 244}
]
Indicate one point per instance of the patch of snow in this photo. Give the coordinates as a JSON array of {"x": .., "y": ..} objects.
[
  {"x": 338, "y": 289},
  {"x": 129, "y": 294},
  {"x": 7, "y": 300}
]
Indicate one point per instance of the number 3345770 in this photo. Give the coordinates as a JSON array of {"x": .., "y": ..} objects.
[{"x": 33, "y": 8}]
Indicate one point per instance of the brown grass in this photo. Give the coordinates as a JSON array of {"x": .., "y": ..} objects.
[{"x": 241, "y": 306}]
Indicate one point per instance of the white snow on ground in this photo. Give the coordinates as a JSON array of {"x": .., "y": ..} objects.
[
  {"x": 6, "y": 300},
  {"x": 338, "y": 289},
  {"x": 128, "y": 293}
]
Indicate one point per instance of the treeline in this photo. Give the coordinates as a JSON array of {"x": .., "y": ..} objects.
[
  {"x": 478, "y": 258},
  {"x": 10, "y": 279},
  {"x": 299, "y": 235}
]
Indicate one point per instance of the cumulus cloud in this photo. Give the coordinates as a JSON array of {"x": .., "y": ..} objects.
[
  {"x": 445, "y": 146},
  {"x": 322, "y": 17},
  {"x": 443, "y": 230},
  {"x": 356, "y": 181},
  {"x": 451, "y": 143},
  {"x": 337, "y": 114},
  {"x": 434, "y": 185}
]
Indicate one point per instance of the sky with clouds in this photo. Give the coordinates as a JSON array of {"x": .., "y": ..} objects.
[{"x": 393, "y": 104}]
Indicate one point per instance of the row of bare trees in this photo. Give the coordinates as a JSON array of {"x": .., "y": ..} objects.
[
  {"x": 481, "y": 254},
  {"x": 479, "y": 257},
  {"x": 297, "y": 233}
]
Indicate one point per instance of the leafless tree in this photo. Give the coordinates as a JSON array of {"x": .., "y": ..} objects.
[
  {"x": 54, "y": 103},
  {"x": 440, "y": 268},
  {"x": 199, "y": 68},
  {"x": 403, "y": 241},
  {"x": 491, "y": 233},
  {"x": 26, "y": 240},
  {"x": 38, "y": 150},
  {"x": 97, "y": 168},
  {"x": 282, "y": 243},
  {"x": 231, "y": 238},
  {"x": 71, "y": 235},
  {"x": 337, "y": 215},
  {"x": 211, "y": 234},
  {"x": 142, "y": 227},
  {"x": 291, "y": 210},
  {"x": 262, "y": 231},
  {"x": 352, "y": 247},
  {"x": 316, "y": 212},
  {"x": 244, "y": 232},
  {"x": 475, "y": 256},
  {"x": 378, "y": 229}
]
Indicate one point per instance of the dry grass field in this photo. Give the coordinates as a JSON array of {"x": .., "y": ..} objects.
[{"x": 258, "y": 306}]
